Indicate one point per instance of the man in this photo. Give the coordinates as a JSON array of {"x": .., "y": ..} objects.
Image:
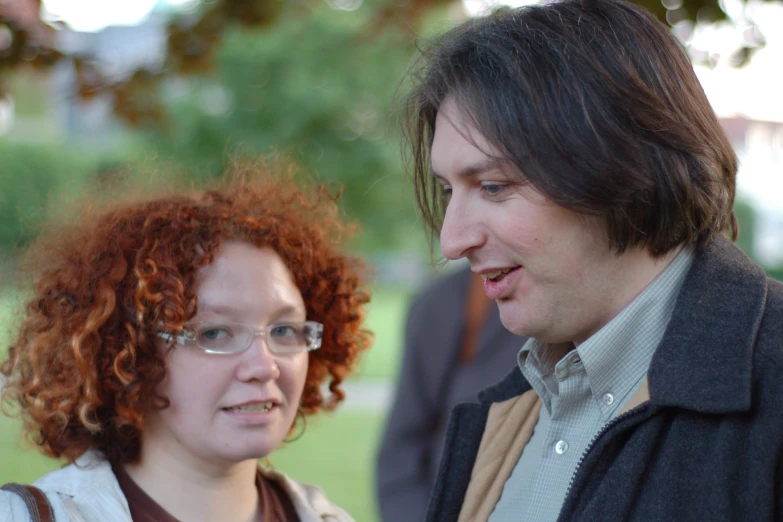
[
  {"x": 569, "y": 153},
  {"x": 455, "y": 345}
]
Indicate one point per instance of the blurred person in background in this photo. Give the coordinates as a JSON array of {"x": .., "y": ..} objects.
[
  {"x": 173, "y": 339},
  {"x": 455, "y": 346},
  {"x": 569, "y": 153}
]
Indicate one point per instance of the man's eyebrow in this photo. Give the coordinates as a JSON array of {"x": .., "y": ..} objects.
[{"x": 471, "y": 170}]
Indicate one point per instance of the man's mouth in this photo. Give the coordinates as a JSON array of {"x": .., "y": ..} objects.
[{"x": 497, "y": 275}]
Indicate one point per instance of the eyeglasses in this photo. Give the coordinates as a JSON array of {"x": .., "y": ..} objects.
[{"x": 226, "y": 338}]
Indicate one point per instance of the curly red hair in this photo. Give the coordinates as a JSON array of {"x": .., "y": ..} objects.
[{"x": 84, "y": 367}]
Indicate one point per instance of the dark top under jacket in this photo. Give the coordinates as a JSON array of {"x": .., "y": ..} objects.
[{"x": 277, "y": 507}]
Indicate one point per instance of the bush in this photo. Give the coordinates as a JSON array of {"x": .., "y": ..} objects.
[{"x": 31, "y": 175}]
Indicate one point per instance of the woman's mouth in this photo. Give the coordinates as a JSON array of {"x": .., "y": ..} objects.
[{"x": 253, "y": 407}]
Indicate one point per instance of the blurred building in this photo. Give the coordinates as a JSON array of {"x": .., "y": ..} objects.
[
  {"x": 46, "y": 106},
  {"x": 759, "y": 146},
  {"x": 118, "y": 51}
]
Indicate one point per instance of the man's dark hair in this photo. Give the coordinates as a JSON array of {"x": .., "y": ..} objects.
[{"x": 597, "y": 105}]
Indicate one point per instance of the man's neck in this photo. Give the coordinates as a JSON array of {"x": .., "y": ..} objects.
[{"x": 634, "y": 272}]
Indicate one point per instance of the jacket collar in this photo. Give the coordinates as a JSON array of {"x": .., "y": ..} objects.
[
  {"x": 513, "y": 384},
  {"x": 309, "y": 501},
  {"x": 704, "y": 361}
]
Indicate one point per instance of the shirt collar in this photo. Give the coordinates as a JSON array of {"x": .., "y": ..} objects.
[{"x": 618, "y": 356}]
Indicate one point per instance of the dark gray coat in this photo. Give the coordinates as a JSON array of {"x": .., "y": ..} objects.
[
  {"x": 431, "y": 383},
  {"x": 707, "y": 446}
]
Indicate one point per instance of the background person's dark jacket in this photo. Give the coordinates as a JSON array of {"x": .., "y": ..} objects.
[
  {"x": 432, "y": 381},
  {"x": 707, "y": 446}
]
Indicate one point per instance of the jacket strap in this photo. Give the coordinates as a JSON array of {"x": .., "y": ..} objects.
[{"x": 37, "y": 504}]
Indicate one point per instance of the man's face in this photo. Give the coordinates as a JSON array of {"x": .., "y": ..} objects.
[{"x": 550, "y": 270}]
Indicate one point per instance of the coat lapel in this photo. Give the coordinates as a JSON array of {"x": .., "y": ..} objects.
[{"x": 704, "y": 361}]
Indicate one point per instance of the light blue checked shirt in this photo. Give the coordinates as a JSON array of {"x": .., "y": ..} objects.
[{"x": 581, "y": 393}]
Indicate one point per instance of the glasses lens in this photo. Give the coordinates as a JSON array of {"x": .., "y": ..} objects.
[
  {"x": 223, "y": 338},
  {"x": 287, "y": 337},
  {"x": 294, "y": 337}
]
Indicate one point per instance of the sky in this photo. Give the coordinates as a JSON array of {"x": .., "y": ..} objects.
[{"x": 94, "y": 15}]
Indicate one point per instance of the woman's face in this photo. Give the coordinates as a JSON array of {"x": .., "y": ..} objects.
[{"x": 218, "y": 413}]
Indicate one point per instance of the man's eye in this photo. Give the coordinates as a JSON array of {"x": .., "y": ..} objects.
[{"x": 493, "y": 189}]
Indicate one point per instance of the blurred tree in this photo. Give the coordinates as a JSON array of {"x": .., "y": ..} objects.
[
  {"x": 30, "y": 173},
  {"x": 305, "y": 75},
  {"x": 316, "y": 90},
  {"x": 746, "y": 219},
  {"x": 26, "y": 41}
]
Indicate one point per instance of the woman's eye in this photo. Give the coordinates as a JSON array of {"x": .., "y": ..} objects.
[
  {"x": 445, "y": 193},
  {"x": 284, "y": 330},
  {"x": 214, "y": 333}
]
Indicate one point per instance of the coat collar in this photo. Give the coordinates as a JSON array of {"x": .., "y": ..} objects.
[
  {"x": 513, "y": 384},
  {"x": 704, "y": 361}
]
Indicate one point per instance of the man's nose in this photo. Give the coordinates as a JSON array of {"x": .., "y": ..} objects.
[{"x": 461, "y": 231}]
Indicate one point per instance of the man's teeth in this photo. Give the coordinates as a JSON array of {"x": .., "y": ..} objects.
[
  {"x": 255, "y": 407},
  {"x": 495, "y": 273}
]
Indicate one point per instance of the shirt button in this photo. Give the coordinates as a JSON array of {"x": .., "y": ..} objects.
[
  {"x": 561, "y": 447},
  {"x": 608, "y": 399}
]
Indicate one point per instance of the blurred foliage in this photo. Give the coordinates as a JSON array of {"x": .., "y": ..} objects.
[
  {"x": 316, "y": 90},
  {"x": 192, "y": 43},
  {"x": 30, "y": 176},
  {"x": 248, "y": 76},
  {"x": 28, "y": 42},
  {"x": 746, "y": 219}
]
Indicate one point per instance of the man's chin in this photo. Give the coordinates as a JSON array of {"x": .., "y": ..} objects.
[{"x": 512, "y": 318}]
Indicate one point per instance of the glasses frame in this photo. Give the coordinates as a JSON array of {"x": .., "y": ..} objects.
[{"x": 183, "y": 339}]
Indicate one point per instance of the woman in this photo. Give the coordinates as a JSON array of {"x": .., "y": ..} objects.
[{"x": 172, "y": 341}]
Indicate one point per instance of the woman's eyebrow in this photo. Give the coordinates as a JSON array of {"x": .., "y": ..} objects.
[{"x": 229, "y": 311}]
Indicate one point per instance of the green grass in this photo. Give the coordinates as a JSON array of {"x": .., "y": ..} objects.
[
  {"x": 20, "y": 462},
  {"x": 5, "y": 322},
  {"x": 386, "y": 318},
  {"x": 336, "y": 452}
]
